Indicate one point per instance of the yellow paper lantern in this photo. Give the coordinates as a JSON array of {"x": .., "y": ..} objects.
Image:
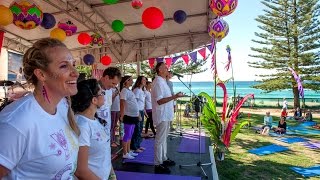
[
  {"x": 58, "y": 33},
  {"x": 6, "y": 17}
]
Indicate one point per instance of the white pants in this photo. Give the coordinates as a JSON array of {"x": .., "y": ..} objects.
[{"x": 160, "y": 144}]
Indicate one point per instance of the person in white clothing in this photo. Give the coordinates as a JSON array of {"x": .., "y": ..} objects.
[
  {"x": 94, "y": 157},
  {"x": 148, "y": 108},
  {"x": 162, "y": 114},
  {"x": 115, "y": 114},
  {"x": 129, "y": 115},
  {"x": 285, "y": 104},
  {"x": 38, "y": 133}
]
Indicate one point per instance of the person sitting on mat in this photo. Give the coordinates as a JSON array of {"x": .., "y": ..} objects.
[
  {"x": 267, "y": 121},
  {"x": 308, "y": 116},
  {"x": 284, "y": 113},
  {"x": 282, "y": 126},
  {"x": 298, "y": 114}
]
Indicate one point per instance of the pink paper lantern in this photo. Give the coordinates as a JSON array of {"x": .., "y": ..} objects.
[
  {"x": 136, "y": 4},
  {"x": 67, "y": 26}
]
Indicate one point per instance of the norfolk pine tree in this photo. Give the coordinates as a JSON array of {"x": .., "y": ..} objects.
[{"x": 289, "y": 38}]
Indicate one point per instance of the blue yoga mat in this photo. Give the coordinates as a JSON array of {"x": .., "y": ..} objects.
[
  {"x": 122, "y": 175},
  {"x": 291, "y": 140},
  {"x": 273, "y": 134},
  {"x": 190, "y": 143},
  {"x": 265, "y": 150},
  {"x": 145, "y": 157},
  {"x": 307, "y": 172}
]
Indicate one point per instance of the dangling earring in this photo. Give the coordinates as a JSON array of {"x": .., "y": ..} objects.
[{"x": 45, "y": 94}]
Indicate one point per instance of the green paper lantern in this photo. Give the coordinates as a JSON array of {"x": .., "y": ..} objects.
[
  {"x": 110, "y": 1},
  {"x": 117, "y": 25}
]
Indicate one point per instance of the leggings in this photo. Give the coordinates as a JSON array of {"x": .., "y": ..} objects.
[
  {"x": 149, "y": 121},
  {"x": 128, "y": 131}
]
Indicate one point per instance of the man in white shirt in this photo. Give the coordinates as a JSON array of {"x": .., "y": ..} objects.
[{"x": 162, "y": 114}]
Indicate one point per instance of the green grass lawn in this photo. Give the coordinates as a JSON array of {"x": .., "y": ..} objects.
[{"x": 239, "y": 164}]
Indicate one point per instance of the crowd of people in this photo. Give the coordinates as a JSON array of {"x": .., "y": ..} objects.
[{"x": 66, "y": 127}]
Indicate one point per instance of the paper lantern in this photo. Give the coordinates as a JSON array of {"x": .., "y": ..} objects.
[
  {"x": 48, "y": 21},
  {"x": 218, "y": 29},
  {"x": 110, "y": 1},
  {"x": 58, "y": 33},
  {"x": 26, "y": 15},
  {"x": 96, "y": 39},
  {"x": 137, "y": 4},
  {"x": 179, "y": 16},
  {"x": 223, "y": 7},
  {"x": 84, "y": 38},
  {"x": 88, "y": 59},
  {"x": 117, "y": 26},
  {"x": 6, "y": 17},
  {"x": 67, "y": 26},
  {"x": 106, "y": 60},
  {"x": 152, "y": 18}
]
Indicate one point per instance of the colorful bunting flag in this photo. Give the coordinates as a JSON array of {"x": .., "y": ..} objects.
[
  {"x": 185, "y": 59},
  {"x": 202, "y": 52},
  {"x": 193, "y": 56},
  {"x": 151, "y": 62},
  {"x": 159, "y": 59},
  {"x": 174, "y": 59},
  {"x": 168, "y": 62}
]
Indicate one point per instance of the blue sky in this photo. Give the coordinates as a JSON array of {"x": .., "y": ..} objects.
[{"x": 241, "y": 31}]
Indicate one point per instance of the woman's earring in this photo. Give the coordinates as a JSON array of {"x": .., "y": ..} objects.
[{"x": 45, "y": 94}]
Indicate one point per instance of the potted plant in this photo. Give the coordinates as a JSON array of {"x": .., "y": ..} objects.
[{"x": 220, "y": 128}]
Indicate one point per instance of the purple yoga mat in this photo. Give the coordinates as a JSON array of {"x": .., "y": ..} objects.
[
  {"x": 190, "y": 143},
  {"x": 312, "y": 144},
  {"x": 145, "y": 157},
  {"x": 122, "y": 175}
]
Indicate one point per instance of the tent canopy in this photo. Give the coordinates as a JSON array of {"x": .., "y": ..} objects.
[{"x": 135, "y": 43}]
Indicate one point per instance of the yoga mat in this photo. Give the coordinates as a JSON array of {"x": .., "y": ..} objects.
[
  {"x": 307, "y": 172},
  {"x": 264, "y": 150},
  {"x": 312, "y": 144},
  {"x": 145, "y": 157},
  {"x": 122, "y": 175},
  {"x": 291, "y": 140},
  {"x": 273, "y": 134},
  {"x": 190, "y": 143},
  {"x": 309, "y": 123}
]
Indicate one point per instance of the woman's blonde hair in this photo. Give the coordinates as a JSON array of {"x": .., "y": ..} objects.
[{"x": 37, "y": 57}]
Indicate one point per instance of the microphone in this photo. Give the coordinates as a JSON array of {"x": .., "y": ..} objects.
[{"x": 178, "y": 75}]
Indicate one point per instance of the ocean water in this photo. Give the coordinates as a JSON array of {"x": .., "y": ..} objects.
[{"x": 242, "y": 87}]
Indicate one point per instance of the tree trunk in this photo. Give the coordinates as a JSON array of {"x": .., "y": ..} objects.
[{"x": 296, "y": 101}]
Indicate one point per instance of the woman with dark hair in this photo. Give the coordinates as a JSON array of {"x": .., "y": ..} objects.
[
  {"x": 149, "y": 121},
  {"x": 38, "y": 133},
  {"x": 94, "y": 157},
  {"x": 129, "y": 115},
  {"x": 138, "y": 90}
]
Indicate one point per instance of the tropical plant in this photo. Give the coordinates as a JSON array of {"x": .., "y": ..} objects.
[{"x": 220, "y": 128}]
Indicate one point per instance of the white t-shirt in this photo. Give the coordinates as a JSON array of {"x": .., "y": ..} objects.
[
  {"x": 131, "y": 105},
  {"x": 35, "y": 144},
  {"x": 141, "y": 97},
  {"x": 97, "y": 138},
  {"x": 148, "y": 100},
  {"x": 116, "y": 102},
  {"x": 164, "y": 112},
  {"x": 104, "y": 112}
]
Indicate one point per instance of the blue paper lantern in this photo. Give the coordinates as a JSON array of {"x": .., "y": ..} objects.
[
  {"x": 88, "y": 59},
  {"x": 179, "y": 16},
  {"x": 48, "y": 21}
]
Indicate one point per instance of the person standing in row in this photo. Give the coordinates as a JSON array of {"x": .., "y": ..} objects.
[
  {"x": 162, "y": 114},
  {"x": 149, "y": 121},
  {"x": 115, "y": 114},
  {"x": 38, "y": 133},
  {"x": 170, "y": 84}
]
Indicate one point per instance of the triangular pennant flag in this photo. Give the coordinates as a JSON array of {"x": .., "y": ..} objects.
[
  {"x": 1, "y": 39},
  {"x": 185, "y": 58},
  {"x": 174, "y": 59},
  {"x": 193, "y": 56},
  {"x": 168, "y": 62},
  {"x": 151, "y": 62},
  {"x": 159, "y": 60},
  {"x": 202, "y": 52},
  {"x": 209, "y": 48}
]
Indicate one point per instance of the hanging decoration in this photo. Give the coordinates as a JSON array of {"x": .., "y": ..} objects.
[
  {"x": 1, "y": 39},
  {"x": 106, "y": 60},
  {"x": 6, "y": 17},
  {"x": 152, "y": 18},
  {"x": 223, "y": 7},
  {"x": 168, "y": 62},
  {"x": 48, "y": 21},
  {"x": 68, "y": 26},
  {"x": 179, "y": 16},
  {"x": 159, "y": 59},
  {"x": 193, "y": 56},
  {"x": 202, "y": 52},
  {"x": 298, "y": 80},
  {"x": 151, "y": 62},
  {"x": 136, "y": 4},
  {"x": 110, "y": 1},
  {"x": 117, "y": 25},
  {"x": 218, "y": 29},
  {"x": 58, "y": 33},
  {"x": 84, "y": 38},
  {"x": 96, "y": 39},
  {"x": 88, "y": 59},
  {"x": 26, "y": 15},
  {"x": 229, "y": 58},
  {"x": 174, "y": 59},
  {"x": 185, "y": 58}
]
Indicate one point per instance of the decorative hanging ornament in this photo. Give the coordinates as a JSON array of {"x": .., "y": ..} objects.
[
  {"x": 67, "y": 26},
  {"x": 110, "y": 1},
  {"x": 223, "y": 7},
  {"x": 6, "y": 17},
  {"x": 88, "y": 59},
  {"x": 48, "y": 21},
  {"x": 26, "y": 14},
  {"x": 117, "y": 25},
  {"x": 218, "y": 29},
  {"x": 152, "y": 18},
  {"x": 96, "y": 39},
  {"x": 84, "y": 38},
  {"x": 137, "y": 4},
  {"x": 106, "y": 60},
  {"x": 179, "y": 16},
  {"x": 58, "y": 33}
]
